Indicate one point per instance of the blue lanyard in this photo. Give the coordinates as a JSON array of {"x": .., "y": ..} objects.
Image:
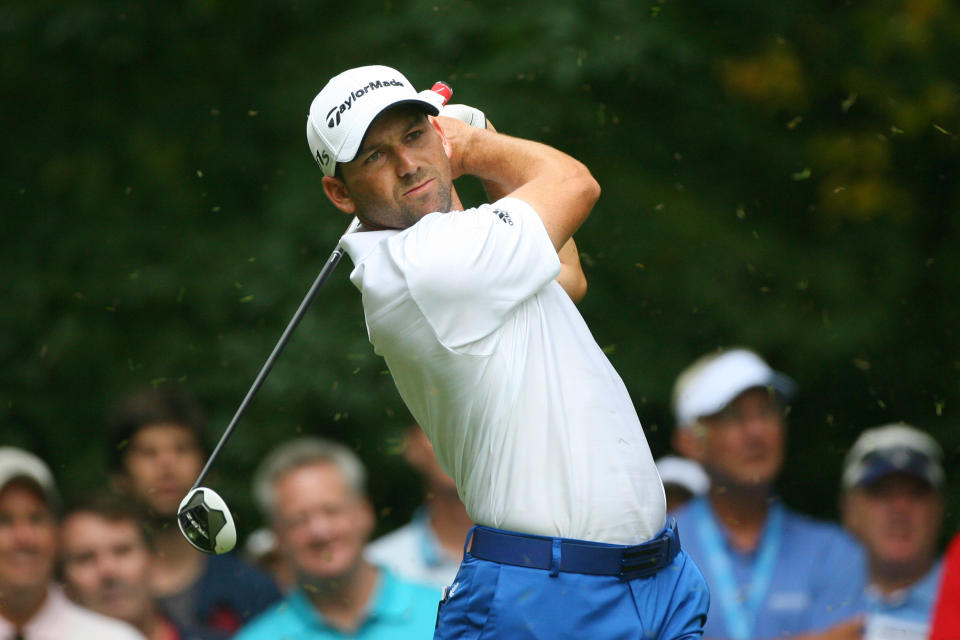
[
  {"x": 740, "y": 613},
  {"x": 428, "y": 543}
]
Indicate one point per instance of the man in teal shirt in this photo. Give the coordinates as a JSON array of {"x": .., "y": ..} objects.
[{"x": 313, "y": 493}]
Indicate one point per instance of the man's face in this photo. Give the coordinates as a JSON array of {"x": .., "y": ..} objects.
[
  {"x": 106, "y": 565},
  {"x": 743, "y": 445},
  {"x": 401, "y": 171},
  {"x": 28, "y": 539},
  {"x": 321, "y": 524},
  {"x": 897, "y": 518},
  {"x": 162, "y": 462}
]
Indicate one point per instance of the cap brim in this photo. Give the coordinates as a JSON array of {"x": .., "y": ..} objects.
[
  {"x": 781, "y": 384},
  {"x": 881, "y": 470},
  {"x": 354, "y": 139}
]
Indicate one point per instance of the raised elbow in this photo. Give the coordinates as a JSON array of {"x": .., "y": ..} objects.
[
  {"x": 593, "y": 189},
  {"x": 588, "y": 185}
]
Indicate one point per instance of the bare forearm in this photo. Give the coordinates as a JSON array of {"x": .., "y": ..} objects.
[
  {"x": 494, "y": 190},
  {"x": 572, "y": 278},
  {"x": 558, "y": 187}
]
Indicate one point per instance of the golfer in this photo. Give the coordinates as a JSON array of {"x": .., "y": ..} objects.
[{"x": 495, "y": 362}]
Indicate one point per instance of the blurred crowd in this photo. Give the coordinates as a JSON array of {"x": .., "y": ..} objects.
[{"x": 115, "y": 565}]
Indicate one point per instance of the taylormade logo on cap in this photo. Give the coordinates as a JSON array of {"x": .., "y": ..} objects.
[
  {"x": 333, "y": 118},
  {"x": 346, "y": 107}
]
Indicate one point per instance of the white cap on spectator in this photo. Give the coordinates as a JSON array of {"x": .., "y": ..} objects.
[
  {"x": 890, "y": 449},
  {"x": 714, "y": 381},
  {"x": 683, "y": 472},
  {"x": 17, "y": 463}
]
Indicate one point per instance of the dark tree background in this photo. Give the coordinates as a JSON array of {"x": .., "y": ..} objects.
[{"x": 778, "y": 175}]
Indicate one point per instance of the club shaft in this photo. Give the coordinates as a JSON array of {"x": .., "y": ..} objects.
[{"x": 328, "y": 268}]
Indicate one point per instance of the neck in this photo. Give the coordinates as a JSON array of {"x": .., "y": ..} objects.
[
  {"x": 344, "y": 601},
  {"x": 176, "y": 564},
  {"x": 888, "y": 579},
  {"x": 449, "y": 521},
  {"x": 742, "y": 511},
  {"x": 19, "y": 606},
  {"x": 153, "y": 626}
]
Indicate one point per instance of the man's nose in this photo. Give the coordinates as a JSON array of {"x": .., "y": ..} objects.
[
  {"x": 108, "y": 566},
  {"x": 405, "y": 162},
  {"x": 168, "y": 457},
  {"x": 25, "y": 534},
  {"x": 901, "y": 500},
  {"x": 319, "y": 526}
]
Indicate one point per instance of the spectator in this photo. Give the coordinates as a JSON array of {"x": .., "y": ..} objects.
[
  {"x": 892, "y": 502},
  {"x": 773, "y": 573},
  {"x": 313, "y": 493},
  {"x": 946, "y": 614},
  {"x": 157, "y": 452},
  {"x": 430, "y": 548},
  {"x": 31, "y": 605},
  {"x": 106, "y": 555},
  {"x": 682, "y": 479}
]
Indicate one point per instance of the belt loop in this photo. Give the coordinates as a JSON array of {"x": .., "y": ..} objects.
[
  {"x": 555, "y": 558},
  {"x": 466, "y": 543}
]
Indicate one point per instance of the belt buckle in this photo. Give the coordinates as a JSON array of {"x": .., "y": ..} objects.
[{"x": 639, "y": 562}]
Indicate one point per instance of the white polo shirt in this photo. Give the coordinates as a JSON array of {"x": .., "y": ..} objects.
[{"x": 497, "y": 365}]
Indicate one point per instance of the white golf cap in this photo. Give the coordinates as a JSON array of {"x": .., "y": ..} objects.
[
  {"x": 714, "y": 381},
  {"x": 344, "y": 109},
  {"x": 16, "y": 464},
  {"x": 890, "y": 449},
  {"x": 683, "y": 472}
]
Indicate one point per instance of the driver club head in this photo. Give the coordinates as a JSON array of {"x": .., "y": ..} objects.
[{"x": 206, "y": 522}]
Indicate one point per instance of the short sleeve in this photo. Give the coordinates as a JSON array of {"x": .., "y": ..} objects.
[
  {"x": 837, "y": 593},
  {"x": 468, "y": 270}
]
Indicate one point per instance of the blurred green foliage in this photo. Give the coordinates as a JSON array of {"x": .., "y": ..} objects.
[{"x": 780, "y": 175}]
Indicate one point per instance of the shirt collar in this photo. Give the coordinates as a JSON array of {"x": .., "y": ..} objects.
[
  {"x": 906, "y": 595},
  {"x": 50, "y": 613},
  {"x": 774, "y": 502},
  {"x": 429, "y": 545},
  {"x": 389, "y": 602},
  {"x": 360, "y": 244}
]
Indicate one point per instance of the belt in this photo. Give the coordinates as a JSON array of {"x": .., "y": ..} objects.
[{"x": 576, "y": 556}]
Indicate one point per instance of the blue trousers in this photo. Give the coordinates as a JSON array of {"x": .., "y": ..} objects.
[{"x": 489, "y": 600}]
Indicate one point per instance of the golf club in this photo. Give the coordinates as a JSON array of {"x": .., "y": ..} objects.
[{"x": 203, "y": 516}]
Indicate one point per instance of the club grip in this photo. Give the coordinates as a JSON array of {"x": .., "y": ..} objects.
[{"x": 443, "y": 89}]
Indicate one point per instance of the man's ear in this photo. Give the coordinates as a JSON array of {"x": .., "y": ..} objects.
[
  {"x": 338, "y": 194},
  {"x": 443, "y": 137},
  {"x": 689, "y": 442}
]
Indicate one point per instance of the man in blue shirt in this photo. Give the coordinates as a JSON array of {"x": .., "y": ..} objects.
[
  {"x": 772, "y": 572},
  {"x": 313, "y": 493},
  {"x": 892, "y": 502}
]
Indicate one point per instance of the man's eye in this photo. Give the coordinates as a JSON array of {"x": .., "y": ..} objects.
[
  {"x": 413, "y": 135},
  {"x": 373, "y": 157}
]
